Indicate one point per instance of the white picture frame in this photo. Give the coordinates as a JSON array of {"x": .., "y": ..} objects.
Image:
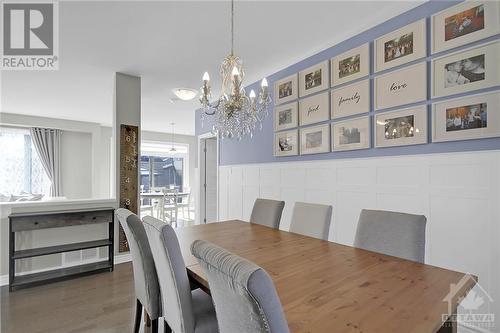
[
  {"x": 350, "y": 100},
  {"x": 450, "y": 74},
  {"x": 286, "y": 89},
  {"x": 388, "y": 51},
  {"x": 466, "y": 118},
  {"x": 351, "y": 65},
  {"x": 314, "y": 79},
  {"x": 401, "y": 127},
  {"x": 286, "y": 143},
  {"x": 286, "y": 116},
  {"x": 315, "y": 139},
  {"x": 351, "y": 134},
  {"x": 401, "y": 87},
  {"x": 314, "y": 109},
  {"x": 447, "y": 26}
]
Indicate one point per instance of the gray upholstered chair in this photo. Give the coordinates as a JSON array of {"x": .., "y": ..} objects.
[
  {"x": 311, "y": 220},
  {"x": 147, "y": 289},
  {"x": 244, "y": 294},
  {"x": 396, "y": 234},
  {"x": 184, "y": 310},
  {"x": 267, "y": 212}
]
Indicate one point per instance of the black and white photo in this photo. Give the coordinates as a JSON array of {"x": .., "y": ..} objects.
[
  {"x": 401, "y": 127},
  {"x": 315, "y": 139},
  {"x": 313, "y": 79}
]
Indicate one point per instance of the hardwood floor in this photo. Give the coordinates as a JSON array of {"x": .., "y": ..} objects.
[{"x": 103, "y": 303}]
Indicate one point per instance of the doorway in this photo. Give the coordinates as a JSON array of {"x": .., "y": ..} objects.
[{"x": 209, "y": 165}]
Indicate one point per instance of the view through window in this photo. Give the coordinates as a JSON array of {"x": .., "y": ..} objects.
[{"x": 21, "y": 172}]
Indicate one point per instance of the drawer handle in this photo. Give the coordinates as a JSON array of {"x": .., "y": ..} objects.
[
  {"x": 95, "y": 217},
  {"x": 36, "y": 223}
]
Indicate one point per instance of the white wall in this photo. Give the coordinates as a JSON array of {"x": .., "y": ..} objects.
[{"x": 457, "y": 192}]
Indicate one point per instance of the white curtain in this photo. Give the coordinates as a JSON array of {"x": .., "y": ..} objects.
[{"x": 47, "y": 143}]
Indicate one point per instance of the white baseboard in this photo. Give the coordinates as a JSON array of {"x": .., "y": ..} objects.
[{"x": 119, "y": 259}]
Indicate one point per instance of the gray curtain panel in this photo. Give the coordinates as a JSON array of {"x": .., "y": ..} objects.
[{"x": 47, "y": 143}]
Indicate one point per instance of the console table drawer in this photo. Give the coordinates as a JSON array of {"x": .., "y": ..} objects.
[{"x": 39, "y": 221}]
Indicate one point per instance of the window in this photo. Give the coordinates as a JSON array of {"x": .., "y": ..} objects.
[
  {"x": 21, "y": 171},
  {"x": 161, "y": 168}
]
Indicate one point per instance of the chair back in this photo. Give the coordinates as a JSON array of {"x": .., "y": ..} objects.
[
  {"x": 172, "y": 275},
  {"x": 147, "y": 289},
  {"x": 244, "y": 295},
  {"x": 397, "y": 234},
  {"x": 311, "y": 220},
  {"x": 267, "y": 212}
]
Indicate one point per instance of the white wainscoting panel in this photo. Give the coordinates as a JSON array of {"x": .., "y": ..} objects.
[{"x": 457, "y": 192}]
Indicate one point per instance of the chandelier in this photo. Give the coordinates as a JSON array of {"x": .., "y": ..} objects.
[{"x": 235, "y": 114}]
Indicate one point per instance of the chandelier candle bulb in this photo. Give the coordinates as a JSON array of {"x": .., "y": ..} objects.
[{"x": 206, "y": 78}]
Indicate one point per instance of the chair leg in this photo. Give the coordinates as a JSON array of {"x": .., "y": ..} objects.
[
  {"x": 147, "y": 320},
  {"x": 138, "y": 313},
  {"x": 166, "y": 328},
  {"x": 154, "y": 326}
]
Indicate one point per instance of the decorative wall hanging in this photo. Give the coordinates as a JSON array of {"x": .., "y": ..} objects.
[
  {"x": 351, "y": 65},
  {"x": 286, "y": 89},
  {"x": 404, "y": 86},
  {"x": 314, "y": 109},
  {"x": 401, "y": 46},
  {"x": 464, "y": 23},
  {"x": 471, "y": 117},
  {"x": 401, "y": 128},
  {"x": 313, "y": 79},
  {"x": 466, "y": 70},
  {"x": 315, "y": 140},
  {"x": 350, "y": 100},
  {"x": 351, "y": 134}
]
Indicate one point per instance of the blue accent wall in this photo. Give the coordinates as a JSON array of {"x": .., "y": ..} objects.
[{"x": 260, "y": 148}]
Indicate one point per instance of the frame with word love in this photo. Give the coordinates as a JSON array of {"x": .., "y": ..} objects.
[{"x": 401, "y": 87}]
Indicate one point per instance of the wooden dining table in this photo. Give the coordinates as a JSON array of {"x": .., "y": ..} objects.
[{"x": 328, "y": 287}]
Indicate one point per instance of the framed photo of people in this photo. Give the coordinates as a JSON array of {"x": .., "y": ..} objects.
[
  {"x": 286, "y": 90},
  {"x": 351, "y": 99},
  {"x": 351, "y": 65},
  {"x": 400, "y": 46},
  {"x": 314, "y": 109},
  {"x": 313, "y": 79},
  {"x": 466, "y": 70},
  {"x": 286, "y": 116},
  {"x": 471, "y": 117},
  {"x": 315, "y": 139},
  {"x": 464, "y": 23},
  {"x": 286, "y": 143},
  {"x": 401, "y": 127},
  {"x": 404, "y": 86},
  {"x": 351, "y": 134}
]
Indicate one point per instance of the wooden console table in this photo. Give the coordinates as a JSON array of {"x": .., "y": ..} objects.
[{"x": 57, "y": 219}]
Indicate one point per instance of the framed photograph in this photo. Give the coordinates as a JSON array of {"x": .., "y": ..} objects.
[
  {"x": 313, "y": 79},
  {"x": 286, "y": 116},
  {"x": 351, "y": 99},
  {"x": 315, "y": 140},
  {"x": 466, "y": 70},
  {"x": 401, "y": 128},
  {"x": 351, "y": 65},
  {"x": 472, "y": 117},
  {"x": 314, "y": 109},
  {"x": 464, "y": 23},
  {"x": 351, "y": 134},
  {"x": 404, "y": 86},
  {"x": 286, "y": 143},
  {"x": 285, "y": 90},
  {"x": 400, "y": 46}
]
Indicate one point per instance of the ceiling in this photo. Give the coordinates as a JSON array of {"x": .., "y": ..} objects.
[{"x": 170, "y": 44}]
